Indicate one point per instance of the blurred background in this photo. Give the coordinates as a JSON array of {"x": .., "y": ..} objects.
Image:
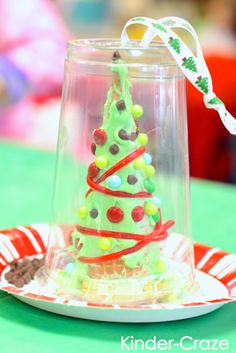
[{"x": 33, "y": 35}]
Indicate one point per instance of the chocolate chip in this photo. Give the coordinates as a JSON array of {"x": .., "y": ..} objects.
[
  {"x": 132, "y": 179},
  {"x": 36, "y": 262},
  {"x": 27, "y": 278},
  {"x": 116, "y": 55},
  {"x": 19, "y": 282},
  {"x": 123, "y": 135},
  {"x": 9, "y": 275},
  {"x": 93, "y": 213},
  {"x": 23, "y": 271},
  {"x": 114, "y": 149},
  {"x": 120, "y": 105}
]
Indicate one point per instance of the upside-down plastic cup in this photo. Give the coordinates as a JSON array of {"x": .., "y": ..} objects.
[{"x": 120, "y": 229}]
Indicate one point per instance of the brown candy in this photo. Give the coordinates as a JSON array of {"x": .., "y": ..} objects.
[
  {"x": 93, "y": 213},
  {"x": 120, "y": 105},
  {"x": 132, "y": 179},
  {"x": 133, "y": 135},
  {"x": 114, "y": 149},
  {"x": 123, "y": 135}
]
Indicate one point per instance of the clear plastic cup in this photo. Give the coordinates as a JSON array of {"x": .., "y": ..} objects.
[{"x": 120, "y": 229}]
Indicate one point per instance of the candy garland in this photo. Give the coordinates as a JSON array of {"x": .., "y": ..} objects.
[
  {"x": 193, "y": 66},
  {"x": 159, "y": 234}
]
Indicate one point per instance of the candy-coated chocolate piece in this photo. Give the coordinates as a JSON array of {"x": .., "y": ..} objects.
[
  {"x": 161, "y": 266},
  {"x": 105, "y": 243},
  {"x": 120, "y": 105},
  {"x": 156, "y": 217},
  {"x": 93, "y": 213},
  {"x": 114, "y": 181},
  {"x": 82, "y": 212},
  {"x": 93, "y": 148},
  {"x": 100, "y": 136},
  {"x": 101, "y": 162},
  {"x": 93, "y": 170},
  {"x": 137, "y": 111},
  {"x": 149, "y": 186},
  {"x": 139, "y": 163},
  {"x": 114, "y": 149},
  {"x": 137, "y": 213},
  {"x": 133, "y": 136},
  {"x": 150, "y": 209},
  {"x": 148, "y": 158},
  {"x": 123, "y": 135},
  {"x": 115, "y": 214},
  {"x": 69, "y": 267},
  {"x": 157, "y": 201},
  {"x": 142, "y": 139},
  {"x": 149, "y": 170},
  {"x": 132, "y": 179}
]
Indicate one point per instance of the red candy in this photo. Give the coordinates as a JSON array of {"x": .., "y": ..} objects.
[
  {"x": 115, "y": 214},
  {"x": 137, "y": 213},
  {"x": 93, "y": 148},
  {"x": 93, "y": 170},
  {"x": 100, "y": 136}
]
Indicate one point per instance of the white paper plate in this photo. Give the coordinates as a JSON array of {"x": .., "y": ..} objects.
[{"x": 215, "y": 275}]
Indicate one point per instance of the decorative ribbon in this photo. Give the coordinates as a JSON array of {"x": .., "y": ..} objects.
[{"x": 193, "y": 66}]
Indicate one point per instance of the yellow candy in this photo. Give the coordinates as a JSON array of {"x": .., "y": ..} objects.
[
  {"x": 142, "y": 138},
  {"x": 139, "y": 163},
  {"x": 150, "y": 209},
  {"x": 149, "y": 170},
  {"x": 105, "y": 243},
  {"x": 101, "y": 162},
  {"x": 82, "y": 212},
  {"x": 161, "y": 266},
  {"x": 163, "y": 285},
  {"x": 137, "y": 111}
]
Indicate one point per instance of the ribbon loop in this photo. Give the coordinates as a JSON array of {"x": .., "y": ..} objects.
[{"x": 192, "y": 65}]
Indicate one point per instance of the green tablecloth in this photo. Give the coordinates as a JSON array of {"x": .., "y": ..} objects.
[{"x": 26, "y": 180}]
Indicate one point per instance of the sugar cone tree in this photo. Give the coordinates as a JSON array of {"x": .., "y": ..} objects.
[{"x": 119, "y": 220}]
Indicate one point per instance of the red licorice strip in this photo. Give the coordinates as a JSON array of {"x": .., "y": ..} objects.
[
  {"x": 93, "y": 185},
  {"x": 161, "y": 232},
  {"x": 121, "y": 235},
  {"x": 113, "y": 256},
  {"x": 122, "y": 163}
]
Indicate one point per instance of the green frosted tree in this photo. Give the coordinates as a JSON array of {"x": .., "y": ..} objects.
[
  {"x": 189, "y": 64},
  {"x": 120, "y": 199},
  {"x": 175, "y": 44},
  {"x": 202, "y": 83}
]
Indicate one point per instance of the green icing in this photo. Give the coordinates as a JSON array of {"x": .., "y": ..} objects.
[{"x": 115, "y": 120}]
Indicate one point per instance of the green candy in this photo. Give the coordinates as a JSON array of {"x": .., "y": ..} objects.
[
  {"x": 156, "y": 217},
  {"x": 149, "y": 186},
  {"x": 137, "y": 111}
]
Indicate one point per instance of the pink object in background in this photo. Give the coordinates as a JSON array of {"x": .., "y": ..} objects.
[{"x": 33, "y": 38}]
